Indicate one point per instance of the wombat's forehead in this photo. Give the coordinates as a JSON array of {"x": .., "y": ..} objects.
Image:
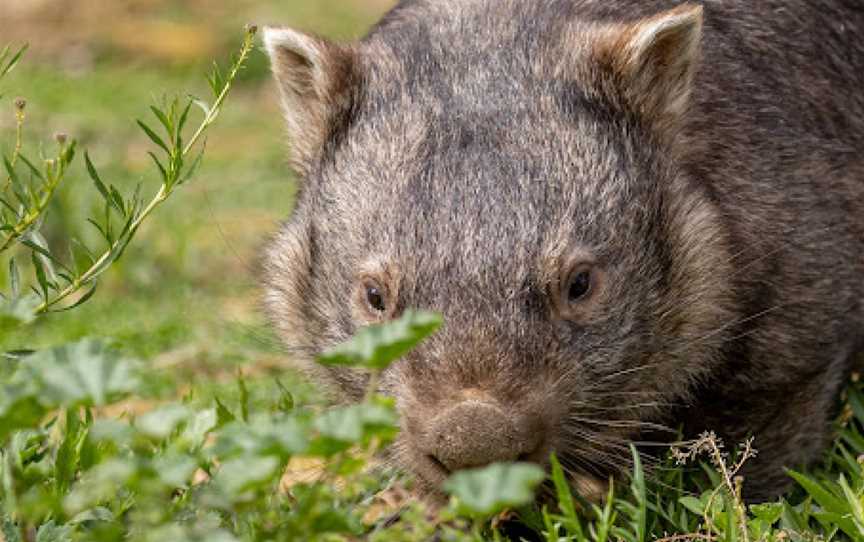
[
  {"x": 506, "y": 162},
  {"x": 455, "y": 189}
]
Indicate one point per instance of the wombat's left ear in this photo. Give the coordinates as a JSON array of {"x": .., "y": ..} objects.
[
  {"x": 316, "y": 79},
  {"x": 654, "y": 60}
]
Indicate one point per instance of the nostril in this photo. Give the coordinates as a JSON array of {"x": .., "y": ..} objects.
[
  {"x": 534, "y": 456},
  {"x": 536, "y": 449},
  {"x": 438, "y": 464}
]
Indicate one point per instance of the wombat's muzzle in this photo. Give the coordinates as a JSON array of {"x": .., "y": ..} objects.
[{"x": 476, "y": 432}]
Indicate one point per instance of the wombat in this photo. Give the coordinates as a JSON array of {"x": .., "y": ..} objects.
[{"x": 635, "y": 216}]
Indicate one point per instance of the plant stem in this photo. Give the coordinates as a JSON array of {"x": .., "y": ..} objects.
[
  {"x": 165, "y": 190},
  {"x": 32, "y": 216},
  {"x": 214, "y": 109},
  {"x": 94, "y": 269},
  {"x": 19, "y": 130}
]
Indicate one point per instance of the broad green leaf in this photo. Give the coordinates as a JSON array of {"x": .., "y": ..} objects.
[
  {"x": 354, "y": 424},
  {"x": 244, "y": 473},
  {"x": 115, "y": 431},
  {"x": 99, "y": 485},
  {"x": 51, "y": 532},
  {"x": 768, "y": 512},
  {"x": 99, "y": 513},
  {"x": 199, "y": 426},
  {"x": 263, "y": 435},
  {"x": 19, "y": 409},
  {"x": 82, "y": 373},
  {"x": 160, "y": 423},
  {"x": 377, "y": 346},
  {"x": 175, "y": 469},
  {"x": 492, "y": 489},
  {"x": 186, "y": 532},
  {"x": 693, "y": 504},
  {"x": 16, "y": 312},
  {"x": 11, "y": 533}
]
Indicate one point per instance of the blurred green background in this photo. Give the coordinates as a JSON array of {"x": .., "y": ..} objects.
[{"x": 185, "y": 295}]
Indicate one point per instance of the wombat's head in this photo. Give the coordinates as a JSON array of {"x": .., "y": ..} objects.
[{"x": 519, "y": 176}]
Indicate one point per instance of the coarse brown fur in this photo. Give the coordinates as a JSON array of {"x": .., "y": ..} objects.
[{"x": 702, "y": 161}]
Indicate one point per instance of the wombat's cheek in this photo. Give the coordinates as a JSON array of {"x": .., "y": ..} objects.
[{"x": 429, "y": 475}]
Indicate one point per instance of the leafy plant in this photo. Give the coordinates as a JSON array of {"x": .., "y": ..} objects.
[{"x": 61, "y": 283}]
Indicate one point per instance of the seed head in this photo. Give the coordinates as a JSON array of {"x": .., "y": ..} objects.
[
  {"x": 61, "y": 138},
  {"x": 251, "y": 28}
]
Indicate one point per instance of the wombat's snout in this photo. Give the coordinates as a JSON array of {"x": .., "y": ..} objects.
[{"x": 475, "y": 433}]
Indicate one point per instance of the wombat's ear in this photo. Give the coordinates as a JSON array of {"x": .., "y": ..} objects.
[
  {"x": 315, "y": 79},
  {"x": 654, "y": 60}
]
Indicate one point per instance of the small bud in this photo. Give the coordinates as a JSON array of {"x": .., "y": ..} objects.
[
  {"x": 61, "y": 138},
  {"x": 20, "y": 104},
  {"x": 251, "y": 28}
]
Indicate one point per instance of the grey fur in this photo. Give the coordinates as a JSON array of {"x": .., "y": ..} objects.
[{"x": 473, "y": 149}]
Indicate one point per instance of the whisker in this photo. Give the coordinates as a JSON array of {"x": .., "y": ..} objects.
[
  {"x": 735, "y": 323},
  {"x": 628, "y": 371}
]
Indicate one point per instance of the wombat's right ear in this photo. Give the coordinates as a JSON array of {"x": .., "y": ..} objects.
[
  {"x": 315, "y": 78},
  {"x": 653, "y": 61}
]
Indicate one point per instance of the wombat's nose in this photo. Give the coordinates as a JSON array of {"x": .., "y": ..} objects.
[{"x": 476, "y": 433}]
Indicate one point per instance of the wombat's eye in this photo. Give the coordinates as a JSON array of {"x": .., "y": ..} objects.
[
  {"x": 577, "y": 290},
  {"x": 375, "y": 298},
  {"x": 580, "y": 285}
]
